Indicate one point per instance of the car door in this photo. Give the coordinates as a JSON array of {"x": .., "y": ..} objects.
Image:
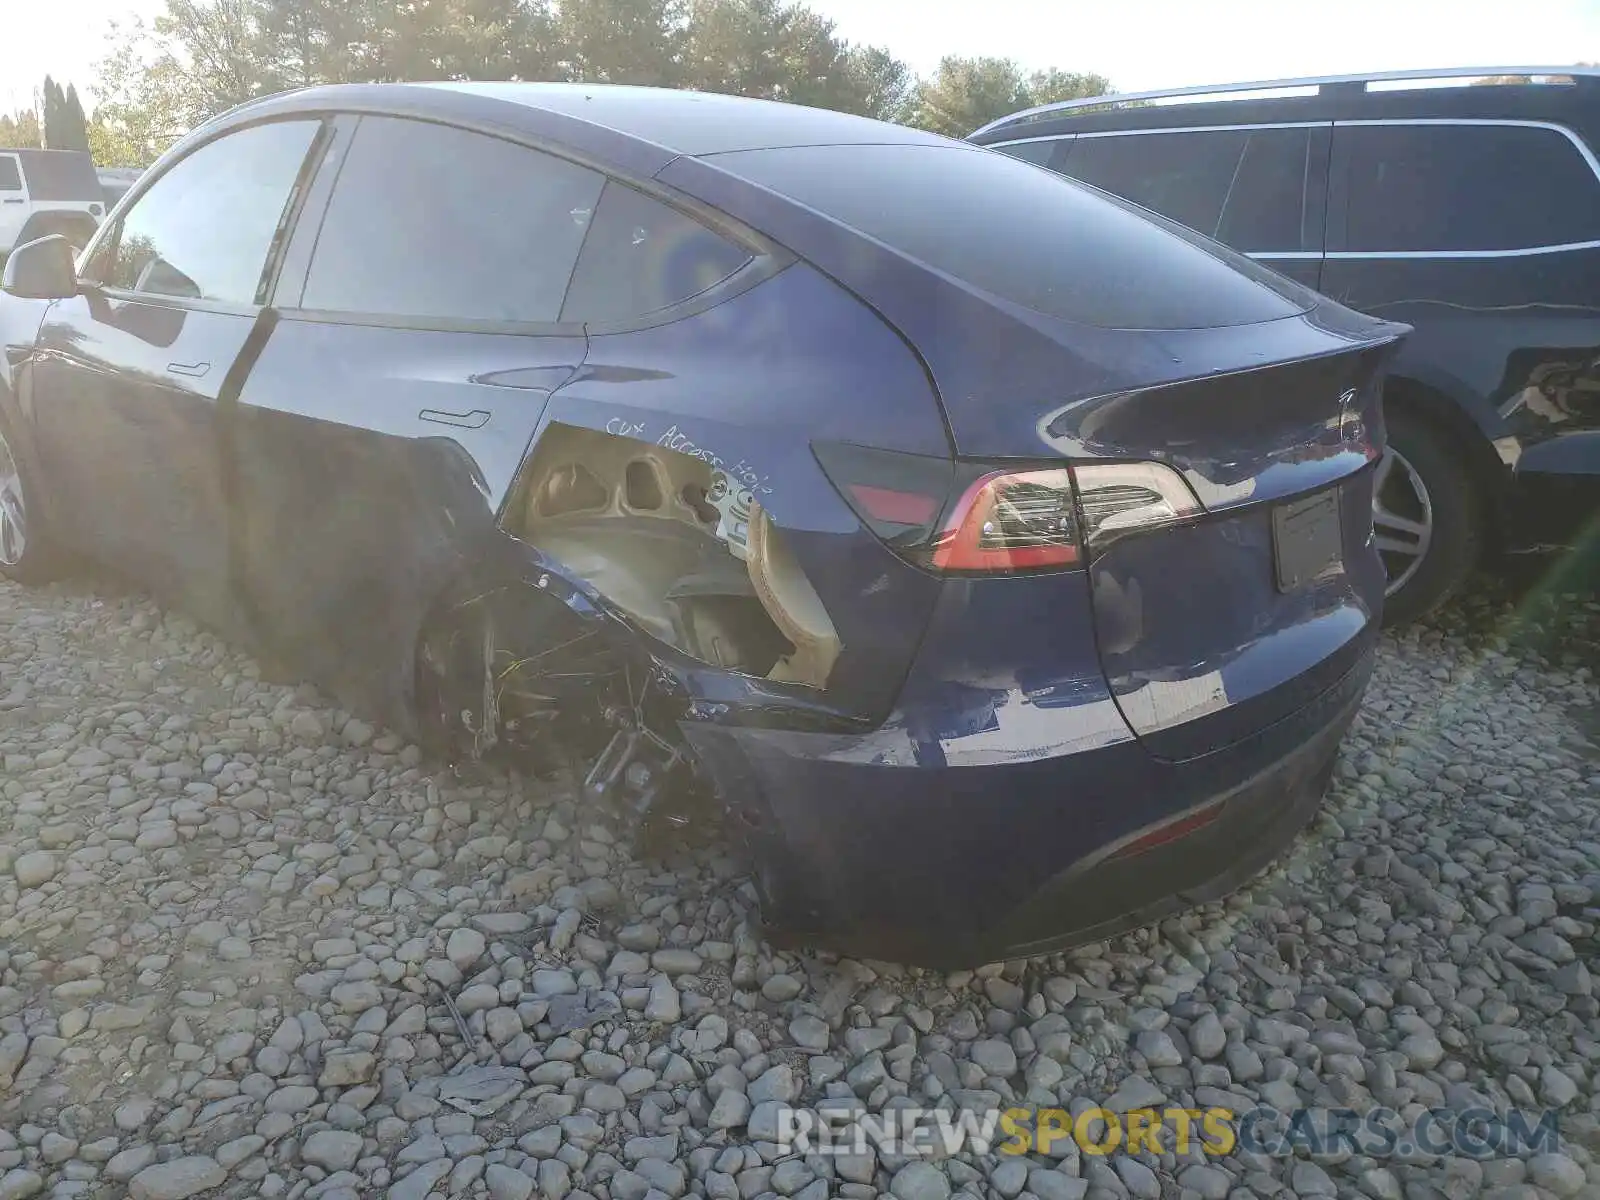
[
  {"x": 130, "y": 372},
  {"x": 13, "y": 200},
  {"x": 417, "y": 340}
]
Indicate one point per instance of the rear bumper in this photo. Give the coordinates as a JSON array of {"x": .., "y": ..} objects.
[
  {"x": 1105, "y": 894},
  {"x": 948, "y": 866}
]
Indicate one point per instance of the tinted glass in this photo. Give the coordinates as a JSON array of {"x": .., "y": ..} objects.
[
  {"x": 204, "y": 229},
  {"x": 10, "y": 177},
  {"x": 1246, "y": 187},
  {"x": 1266, "y": 207},
  {"x": 1184, "y": 176},
  {"x": 432, "y": 222},
  {"x": 641, "y": 256},
  {"x": 1025, "y": 235},
  {"x": 1466, "y": 187},
  {"x": 1039, "y": 153}
]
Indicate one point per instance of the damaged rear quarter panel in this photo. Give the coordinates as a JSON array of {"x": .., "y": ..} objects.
[{"x": 747, "y": 386}]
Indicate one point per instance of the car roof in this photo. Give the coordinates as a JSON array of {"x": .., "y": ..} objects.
[
  {"x": 622, "y": 124},
  {"x": 696, "y": 123}
]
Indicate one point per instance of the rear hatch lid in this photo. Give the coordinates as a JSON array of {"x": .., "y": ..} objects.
[
  {"x": 1062, "y": 323},
  {"x": 1213, "y": 627}
]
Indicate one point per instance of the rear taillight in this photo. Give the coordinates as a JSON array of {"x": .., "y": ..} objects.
[
  {"x": 1010, "y": 521},
  {"x": 1119, "y": 498},
  {"x": 971, "y": 518}
]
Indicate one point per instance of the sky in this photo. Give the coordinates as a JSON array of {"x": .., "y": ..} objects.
[{"x": 1138, "y": 44}]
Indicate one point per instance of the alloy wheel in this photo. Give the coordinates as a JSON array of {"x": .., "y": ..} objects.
[
  {"x": 1402, "y": 518},
  {"x": 13, "y": 509}
]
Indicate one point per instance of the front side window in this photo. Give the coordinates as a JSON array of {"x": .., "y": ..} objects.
[
  {"x": 1450, "y": 188},
  {"x": 431, "y": 222},
  {"x": 10, "y": 175},
  {"x": 642, "y": 256},
  {"x": 204, "y": 230}
]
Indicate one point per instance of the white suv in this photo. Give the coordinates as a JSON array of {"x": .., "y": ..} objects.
[{"x": 48, "y": 191}]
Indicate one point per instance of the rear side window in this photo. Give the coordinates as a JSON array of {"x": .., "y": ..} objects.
[
  {"x": 1039, "y": 153},
  {"x": 641, "y": 256},
  {"x": 1268, "y": 206},
  {"x": 203, "y": 230},
  {"x": 1025, "y": 235},
  {"x": 1246, "y": 187},
  {"x": 1185, "y": 176},
  {"x": 1423, "y": 188},
  {"x": 432, "y": 222},
  {"x": 10, "y": 176}
]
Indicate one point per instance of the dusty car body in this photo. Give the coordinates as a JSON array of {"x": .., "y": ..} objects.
[{"x": 935, "y": 530}]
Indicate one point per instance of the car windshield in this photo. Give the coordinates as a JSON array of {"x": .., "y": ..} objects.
[{"x": 1027, "y": 235}]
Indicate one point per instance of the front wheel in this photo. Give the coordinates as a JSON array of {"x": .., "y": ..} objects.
[
  {"x": 24, "y": 553},
  {"x": 1426, "y": 519}
]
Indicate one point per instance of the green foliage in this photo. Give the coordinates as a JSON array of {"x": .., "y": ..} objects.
[
  {"x": 201, "y": 57},
  {"x": 965, "y": 93},
  {"x": 20, "y": 130},
  {"x": 62, "y": 126}
]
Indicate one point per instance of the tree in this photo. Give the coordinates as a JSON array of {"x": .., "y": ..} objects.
[
  {"x": 1053, "y": 84},
  {"x": 20, "y": 130},
  {"x": 200, "y": 57},
  {"x": 782, "y": 50},
  {"x": 75, "y": 125},
  {"x": 61, "y": 122},
  {"x": 621, "y": 41},
  {"x": 886, "y": 86},
  {"x": 304, "y": 42},
  {"x": 965, "y": 93},
  {"x": 142, "y": 104}
]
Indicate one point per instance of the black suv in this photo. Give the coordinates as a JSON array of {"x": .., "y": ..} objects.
[{"x": 1465, "y": 203}]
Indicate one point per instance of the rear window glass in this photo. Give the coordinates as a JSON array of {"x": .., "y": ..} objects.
[
  {"x": 1026, "y": 235},
  {"x": 641, "y": 256}
]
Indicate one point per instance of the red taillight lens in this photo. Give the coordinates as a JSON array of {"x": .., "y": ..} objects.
[
  {"x": 1002, "y": 520},
  {"x": 1011, "y": 521}
]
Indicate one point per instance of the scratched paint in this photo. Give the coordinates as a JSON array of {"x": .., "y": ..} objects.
[{"x": 676, "y": 440}]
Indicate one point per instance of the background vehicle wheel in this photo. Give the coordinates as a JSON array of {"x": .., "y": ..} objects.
[
  {"x": 1425, "y": 516},
  {"x": 24, "y": 552}
]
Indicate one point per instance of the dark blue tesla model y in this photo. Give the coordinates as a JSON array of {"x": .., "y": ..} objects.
[{"x": 921, "y": 514}]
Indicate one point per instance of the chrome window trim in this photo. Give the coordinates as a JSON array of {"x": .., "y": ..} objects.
[
  {"x": 1545, "y": 73},
  {"x": 1104, "y": 133},
  {"x": 1049, "y": 137},
  {"x": 1108, "y": 133},
  {"x": 1577, "y": 143}
]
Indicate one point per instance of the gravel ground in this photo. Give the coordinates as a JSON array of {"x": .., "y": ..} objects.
[{"x": 231, "y": 916}]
